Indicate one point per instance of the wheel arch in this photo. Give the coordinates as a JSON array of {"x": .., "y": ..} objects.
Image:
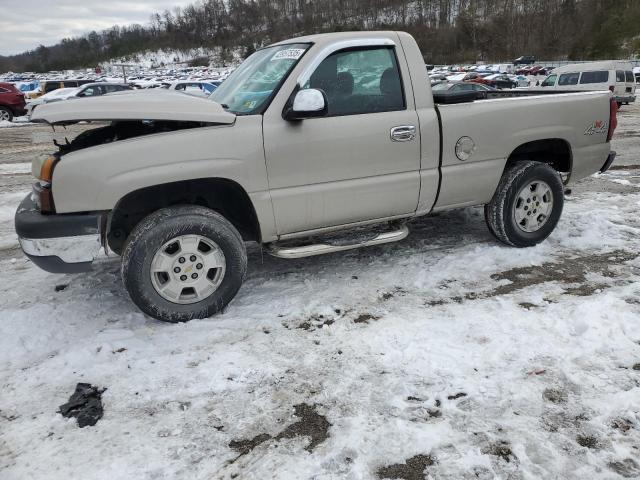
[
  {"x": 552, "y": 151},
  {"x": 222, "y": 195}
]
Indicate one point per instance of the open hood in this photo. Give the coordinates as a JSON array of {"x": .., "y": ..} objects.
[{"x": 141, "y": 105}]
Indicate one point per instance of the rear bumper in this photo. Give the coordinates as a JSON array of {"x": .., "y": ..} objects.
[
  {"x": 18, "y": 109},
  {"x": 625, "y": 98},
  {"x": 58, "y": 243},
  {"x": 607, "y": 164}
]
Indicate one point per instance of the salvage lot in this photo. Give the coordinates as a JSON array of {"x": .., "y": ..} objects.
[{"x": 447, "y": 353}]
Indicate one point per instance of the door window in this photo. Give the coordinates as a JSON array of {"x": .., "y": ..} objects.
[
  {"x": 620, "y": 77},
  {"x": 550, "y": 81},
  {"x": 360, "y": 81},
  {"x": 568, "y": 79},
  {"x": 629, "y": 76}
]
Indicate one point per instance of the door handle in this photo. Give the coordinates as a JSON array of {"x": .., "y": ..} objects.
[{"x": 403, "y": 133}]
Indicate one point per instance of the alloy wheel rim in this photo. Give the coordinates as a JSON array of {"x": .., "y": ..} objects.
[
  {"x": 4, "y": 115},
  {"x": 187, "y": 269},
  {"x": 533, "y": 206}
]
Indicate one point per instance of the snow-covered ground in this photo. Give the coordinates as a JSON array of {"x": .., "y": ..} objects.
[{"x": 446, "y": 356}]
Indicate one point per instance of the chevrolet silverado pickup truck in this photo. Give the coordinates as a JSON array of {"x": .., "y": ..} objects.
[{"x": 313, "y": 145}]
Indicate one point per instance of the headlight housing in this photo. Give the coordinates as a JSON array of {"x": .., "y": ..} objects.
[
  {"x": 46, "y": 170},
  {"x": 42, "y": 188}
]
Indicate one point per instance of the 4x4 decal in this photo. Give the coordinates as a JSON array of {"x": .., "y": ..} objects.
[{"x": 599, "y": 126}]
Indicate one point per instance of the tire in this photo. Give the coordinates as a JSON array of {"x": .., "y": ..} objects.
[
  {"x": 6, "y": 115},
  {"x": 521, "y": 216},
  {"x": 195, "y": 241}
]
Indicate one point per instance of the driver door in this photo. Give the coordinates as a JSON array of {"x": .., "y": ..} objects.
[{"x": 347, "y": 166}]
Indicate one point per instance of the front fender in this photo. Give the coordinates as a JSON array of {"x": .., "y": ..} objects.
[{"x": 97, "y": 177}]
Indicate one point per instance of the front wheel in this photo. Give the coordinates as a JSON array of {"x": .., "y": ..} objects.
[
  {"x": 527, "y": 204},
  {"x": 183, "y": 262}
]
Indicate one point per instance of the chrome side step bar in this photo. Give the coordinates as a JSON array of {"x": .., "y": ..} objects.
[{"x": 322, "y": 248}]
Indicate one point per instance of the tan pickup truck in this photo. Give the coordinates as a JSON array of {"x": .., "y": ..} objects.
[{"x": 313, "y": 145}]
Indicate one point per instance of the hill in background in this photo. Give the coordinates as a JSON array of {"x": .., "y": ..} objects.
[{"x": 446, "y": 30}]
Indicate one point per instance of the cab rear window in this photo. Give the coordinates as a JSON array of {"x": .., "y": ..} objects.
[
  {"x": 594, "y": 77},
  {"x": 568, "y": 79}
]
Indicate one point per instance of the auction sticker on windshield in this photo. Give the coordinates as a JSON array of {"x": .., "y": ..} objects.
[{"x": 289, "y": 53}]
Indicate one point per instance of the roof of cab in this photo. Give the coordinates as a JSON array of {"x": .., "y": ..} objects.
[{"x": 325, "y": 38}]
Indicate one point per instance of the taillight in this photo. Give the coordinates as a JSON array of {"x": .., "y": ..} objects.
[{"x": 613, "y": 118}]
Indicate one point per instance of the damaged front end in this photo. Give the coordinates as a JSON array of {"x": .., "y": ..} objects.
[
  {"x": 69, "y": 242},
  {"x": 123, "y": 130},
  {"x": 119, "y": 116}
]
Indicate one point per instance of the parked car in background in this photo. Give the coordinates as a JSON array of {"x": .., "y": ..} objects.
[
  {"x": 521, "y": 80},
  {"x": 497, "y": 81},
  {"x": 480, "y": 89},
  {"x": 12, "y": 103},
  {"x": 437, "y": 77},
  {"x": 53, "y": 96},
  {"x": 525, "y": 60},
  {"x": 28, "y": 87},
  {"x": 101, "y": 88},
  {"x": 192, "y": 87},
  {"x": 617, "y": 77},
  {"x": 47, "y": 86},
  {"x": 506, "y": 68},
  {"x": 88, "y": 90}
]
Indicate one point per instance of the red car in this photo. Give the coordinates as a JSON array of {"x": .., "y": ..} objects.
[
  {"x": 12, "y": 102},
  {"x": 524, "y": 70}
]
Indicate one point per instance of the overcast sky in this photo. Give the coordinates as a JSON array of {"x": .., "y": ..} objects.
[{"x": 25, "y": 24}]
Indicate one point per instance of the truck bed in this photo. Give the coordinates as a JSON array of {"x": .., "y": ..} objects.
[{"x": 499, "y": 125}]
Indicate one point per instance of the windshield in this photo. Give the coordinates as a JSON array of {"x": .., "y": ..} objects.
[{"x": 250, "y": 87}]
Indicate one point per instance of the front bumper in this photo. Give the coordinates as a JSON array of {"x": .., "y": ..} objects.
[{"x": 58, "y": 243}]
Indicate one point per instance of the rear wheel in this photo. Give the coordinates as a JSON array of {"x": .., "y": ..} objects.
[
  {"x": 527, "y": 204},
  {"x": 6, "y": 115},
  {"x": 185, "y": 262}
]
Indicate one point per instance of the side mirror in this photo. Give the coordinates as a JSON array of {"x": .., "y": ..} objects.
[{"x": 307, "y": 103}]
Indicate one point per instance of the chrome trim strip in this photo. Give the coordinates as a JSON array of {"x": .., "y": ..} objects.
[
  {"x": 76, "y": 249},
  {"x": 334, "y": 47},
  {"x": 322, "y": 248}
]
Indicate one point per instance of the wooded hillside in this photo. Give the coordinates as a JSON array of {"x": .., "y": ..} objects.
[{"x": 447, "y": 30}]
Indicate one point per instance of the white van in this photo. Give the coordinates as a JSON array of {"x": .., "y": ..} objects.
[
  {"x": 506, "y": 68},
  {"x": 616, "y": 77}
]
